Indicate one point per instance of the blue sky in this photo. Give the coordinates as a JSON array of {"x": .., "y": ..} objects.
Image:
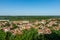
[{"x": 29, "y": 7}]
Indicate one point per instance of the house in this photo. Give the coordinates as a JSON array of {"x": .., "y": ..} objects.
[
  {"x": 17, "y": 22},
  {"x": 27, "y": 26},
  {"x": 25, "y": 21},
  {"x": 36, "y": 22},
  {"x": 43, "y": 21},
  {"x": 47, "y": 31},
  {"x": 4, "y": 20},
  {"x": 40, "y": 31},
  {"x": 16, "y": 31},
  {"x": 56, "y": 28},
  {"x": 51, "y": 23},
  {"x": 6, "y": 29}
]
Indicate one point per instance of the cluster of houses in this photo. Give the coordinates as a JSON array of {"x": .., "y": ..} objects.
[{"x": 43, "y": 26}]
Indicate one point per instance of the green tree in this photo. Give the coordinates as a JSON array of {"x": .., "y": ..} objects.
[{"x": 2, "y": 35}]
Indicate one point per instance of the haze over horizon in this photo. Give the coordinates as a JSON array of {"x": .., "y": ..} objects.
[{"x": 29, "y": 7}]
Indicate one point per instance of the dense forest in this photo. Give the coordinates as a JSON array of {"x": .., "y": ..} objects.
[{"x": 27, "y": 17}]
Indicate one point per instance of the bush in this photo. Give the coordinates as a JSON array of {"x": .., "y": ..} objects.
[
  {"x": 55, "y": 35},
  {"x": 30, "y": 35},
  {"x": 2, "y": 35},
  {"x": 27, "y": 35}
]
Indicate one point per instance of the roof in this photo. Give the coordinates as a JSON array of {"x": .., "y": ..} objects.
[{"x": 4, "y": 20}]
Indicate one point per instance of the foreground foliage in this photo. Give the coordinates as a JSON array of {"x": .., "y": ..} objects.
[{"x": 30, "y": 35}]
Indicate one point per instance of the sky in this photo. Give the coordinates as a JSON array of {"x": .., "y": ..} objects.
[{"x": 29, "y": 7}]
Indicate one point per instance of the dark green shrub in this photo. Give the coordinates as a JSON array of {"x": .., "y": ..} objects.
[{"x": 2, "y": 35}]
